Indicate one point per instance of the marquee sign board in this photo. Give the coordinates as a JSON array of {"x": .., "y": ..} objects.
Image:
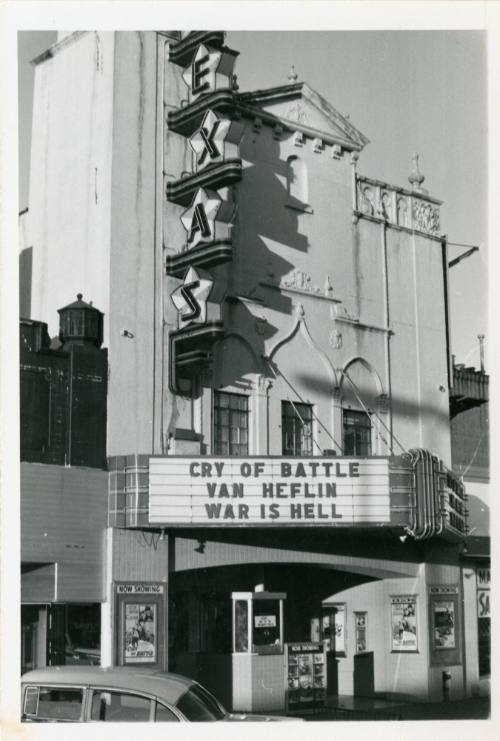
[
  {"x": 207, "y": 218},
  {"x": 216, "y": 140},
  {"x": 209, "y": 71},
  {"x": 268, "y": 491}
]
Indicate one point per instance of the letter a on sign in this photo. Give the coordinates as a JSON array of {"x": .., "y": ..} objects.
[
  {"x": 199, "y": 219},
  {"x": 190, "y": 299}
]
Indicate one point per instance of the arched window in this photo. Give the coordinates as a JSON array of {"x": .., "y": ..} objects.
[{"x": 296, "y": 182}]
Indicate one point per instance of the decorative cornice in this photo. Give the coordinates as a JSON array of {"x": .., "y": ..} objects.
[
  {"x": 398, "y": 227},
  {"x": 211, "y": 178},
  {"x": 362, "y": 325},
  {"x": 205, "y": 256},
  {"x": 300, "y": 291},
  {"x": 349, "y": 134},
  {"x": 398, "y": 189}
]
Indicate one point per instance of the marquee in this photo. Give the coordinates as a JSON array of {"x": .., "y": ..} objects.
[{"x": 268, "y": 491}]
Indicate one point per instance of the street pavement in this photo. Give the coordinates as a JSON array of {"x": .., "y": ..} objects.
[{"x": 356, "y": 709}]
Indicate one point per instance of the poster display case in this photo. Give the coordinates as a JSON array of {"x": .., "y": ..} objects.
[
  {"x": 360, "y": 628},
  {"x": 140, "y": 610},
  {"x": 444, "y": 624},
  {"x": 404, "y": 634},
  {"x": 333, "y": 624},
  {"x": 305, "y": 678}
]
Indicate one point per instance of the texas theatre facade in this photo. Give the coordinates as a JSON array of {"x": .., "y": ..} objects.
[{"x": 282, "y": 522}]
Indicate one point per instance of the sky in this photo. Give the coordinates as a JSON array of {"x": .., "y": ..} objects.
[{"x": 409, "y": 92}]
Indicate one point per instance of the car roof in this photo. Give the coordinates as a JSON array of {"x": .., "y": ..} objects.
[{"x": 164, "y": 685}]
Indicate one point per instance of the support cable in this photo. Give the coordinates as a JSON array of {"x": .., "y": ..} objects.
[
  {"x": 339, "y": 447},
  {"x": 356, "y": 394}
]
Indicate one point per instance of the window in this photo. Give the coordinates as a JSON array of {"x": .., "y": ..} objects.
[
  {"x": 119, "y": 706},
  {"x": 296, "y": 428},
  {"x": 357, "y": 433},
  {"x": 164, "y": 714},
  {"x": 230, "y": 424},
  {"x": 296, "y": 182},
  {"x": 197, "y": 704},
  {"x": 53, "y": 703}
]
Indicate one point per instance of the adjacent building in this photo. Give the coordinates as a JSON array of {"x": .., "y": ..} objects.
[{"x": 275, "y": 389}]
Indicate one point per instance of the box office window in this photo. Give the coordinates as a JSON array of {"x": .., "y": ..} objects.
[
  {"x": 230, "y": 424},
  {"x": 357, "y": 433},
  {"x": 296, "y": 428}
]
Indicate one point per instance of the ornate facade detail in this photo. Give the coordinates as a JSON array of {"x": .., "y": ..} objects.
[
  {"x": 295, "y": 112},
  {"x": 299, "y": 280},
  {"x": 257, "y": 124},
  {"x": 425, "y": 217},
  {"x": 366, "y": 198},
  {"x": 402, "y": 211},
  {"x": 335, "y": 339},
  {"x": 336, "y": 151},
  {"x": 328, "y": 289},
  {"x": 397, "y": 206},
  {"x": 277, "y": 131},
  {"x": 299, "y": 139},
  {"x": 386, "y": 210},
  {"x": 318, "y": 145},
  {"x": 262, "y": 383}
]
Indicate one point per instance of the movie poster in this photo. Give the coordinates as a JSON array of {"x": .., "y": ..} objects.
[
  {"x": 444, "y": 624},
  {"x": 333, "y": 629},
  {"x": 140, "y": 633},
  {"x": 404, "y": 623}
]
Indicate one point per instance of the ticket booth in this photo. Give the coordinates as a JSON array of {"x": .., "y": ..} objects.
[{"x": 257, "y": 651}]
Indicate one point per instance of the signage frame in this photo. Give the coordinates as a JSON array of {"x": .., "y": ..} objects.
[
  {"x": 307, "y": 517},
  {"x": 404, "y": 620},
  {"x": 445, "y": 625}
]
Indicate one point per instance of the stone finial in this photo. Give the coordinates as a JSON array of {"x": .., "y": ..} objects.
[
  {"x": 292, "y": 75},
  {"x": 416, "y": 178},
  {"x": 236, "y": 87}
]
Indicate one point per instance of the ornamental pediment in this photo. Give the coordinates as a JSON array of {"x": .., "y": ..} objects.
[{"x": 304, "y": 109}]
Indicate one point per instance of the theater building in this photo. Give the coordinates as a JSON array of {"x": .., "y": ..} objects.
[{"x": 278, "y": 393}]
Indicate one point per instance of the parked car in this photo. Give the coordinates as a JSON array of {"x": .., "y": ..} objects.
[{"x": 92, "y": 694}]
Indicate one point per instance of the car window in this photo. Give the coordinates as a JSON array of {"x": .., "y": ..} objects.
[
  {"x": 197, "y": 704},
  {"x": 164, "y": 714},
  {"x": 53, "y": 703},
  {"x": 119, "y": 706}
]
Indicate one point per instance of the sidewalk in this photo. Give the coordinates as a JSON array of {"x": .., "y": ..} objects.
[{"x": 346, "y": 708}]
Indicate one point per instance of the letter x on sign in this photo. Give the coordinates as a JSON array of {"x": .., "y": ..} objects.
[{"x": 208, "y": 141}]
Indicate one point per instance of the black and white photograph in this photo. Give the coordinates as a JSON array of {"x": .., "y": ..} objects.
[{"x": 248, "y": 290}]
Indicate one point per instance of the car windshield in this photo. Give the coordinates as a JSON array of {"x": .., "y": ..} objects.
[{"x": 197, "y": 704}]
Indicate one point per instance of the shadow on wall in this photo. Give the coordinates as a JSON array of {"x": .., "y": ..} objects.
[{"x": 266, "y": 228}]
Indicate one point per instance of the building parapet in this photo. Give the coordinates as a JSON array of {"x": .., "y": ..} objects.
[{"x": 402, "y": 208}]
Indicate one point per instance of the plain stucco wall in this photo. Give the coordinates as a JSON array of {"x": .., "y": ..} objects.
[{"x": 70, "y": 186}]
